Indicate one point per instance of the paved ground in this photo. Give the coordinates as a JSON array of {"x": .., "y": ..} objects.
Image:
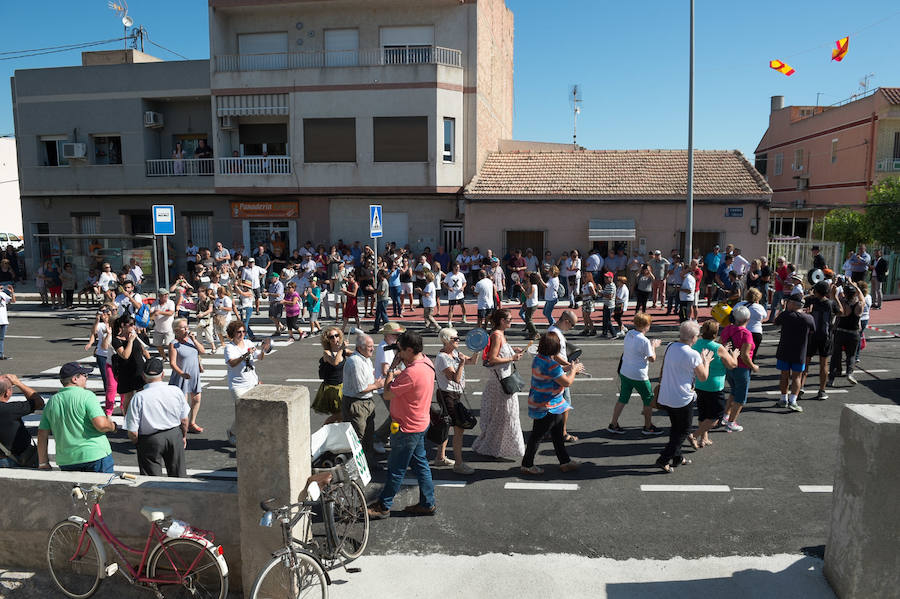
[{"x": 760, "y": 492}]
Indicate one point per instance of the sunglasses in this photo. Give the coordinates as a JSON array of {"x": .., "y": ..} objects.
[
  {"x": 454, "y": 338},
  {"x": 334, "y": 336},
  {"x": 241, "y": 332}
]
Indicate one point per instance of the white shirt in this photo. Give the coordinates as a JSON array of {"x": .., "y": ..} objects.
[
  {"x": 622, "y": 296},
  {"x": 252, "y": 273},
  {"x": 442, "y": 362},
  {"x": 867, "y": 305},
  {"x": 223, "y": 305},
  {"x": 4, "y": 299},
  {"x": 429, "y": 295},
  {"x": 454, "y": 283},
  {"x": 562, "y": 342},
  {"x": 485, "y": 290},
  {"x": 686, "y": 292},
  {"x": 125, "y": 304},
  {"x": 383, "y": 356},
  {"x": 102, "y": 331},
  {"x": 163, "y": 323},
  {"x": 757, "y": 316},
  {"x": 222, "y": 255},
  {"x": 475, "y": 262},
  {"x": 358, "y": 374},
  {"x": 551, "y": 292},
  {"x": 676, "y": 387},
  {"x": 593, "y": 263},
  {"x": 157, "y": 407},
  {"x": 740, "y": 265},
  {"x": 241, "y": 378},
  {"x": 106, "y": 278},
  {"x": 637, "y": 350},
  {"x": 136, "y": 274}
]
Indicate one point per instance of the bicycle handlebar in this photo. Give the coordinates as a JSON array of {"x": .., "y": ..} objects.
[{"x": 98, "y": 490}]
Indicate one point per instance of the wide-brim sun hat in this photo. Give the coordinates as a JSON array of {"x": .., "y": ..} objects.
[{"x": 392, "y": 328}]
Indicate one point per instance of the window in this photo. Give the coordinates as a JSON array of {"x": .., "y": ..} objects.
[
  {"x": 896, "y": 145},
  {"x": 87, "y": 224},
  {"x": 798, "y": 160},
  {"x": 200, "y": 227},
  {"x": 834, "y": 151},
  {"x": 270, "y": 138},
  {"x": 51, "y": 151},
  {"x": 107, "y": 149},
  {"x": 779, "y": 163},
  {"x": 263, "y": 51},
  {"x": 329, "y": 140},
  {"x": 341, "y": 47},
  {"x": 407, "y": 45},
  {"x": 762, "y": 163},
  {"x": 449, "y": 140},
  {"x": 401, "y": 139}
]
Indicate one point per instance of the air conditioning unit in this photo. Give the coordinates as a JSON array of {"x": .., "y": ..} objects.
[
  {"x": 153, "y": 120},
  {"x": 229, "y": 123},
  {"x": 73, "y": 151}
]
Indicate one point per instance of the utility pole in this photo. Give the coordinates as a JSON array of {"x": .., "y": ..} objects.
[{"x": 689, "y": 225}]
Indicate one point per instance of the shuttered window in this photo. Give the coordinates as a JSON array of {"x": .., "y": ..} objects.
[{"x": 200, "y": 231}]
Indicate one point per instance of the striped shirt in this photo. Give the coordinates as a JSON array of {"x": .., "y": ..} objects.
[{"x": 546, "y": 395}]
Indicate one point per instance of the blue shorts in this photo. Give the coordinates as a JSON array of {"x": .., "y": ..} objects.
[
  {"x": 793, "y": 367},
  {"x": 739, "y": 381}
]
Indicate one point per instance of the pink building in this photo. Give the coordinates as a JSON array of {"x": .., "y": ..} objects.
[{"x": 817, "y": 158}]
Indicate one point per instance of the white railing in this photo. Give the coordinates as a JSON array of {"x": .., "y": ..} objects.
[
  {"x": 799, "y": 253},
  {"x": 180, "y": 168},
  {"x": 255, "y": 165},
  {"x": 392, "y": 55},
  {"x": 888, "y": 165}
]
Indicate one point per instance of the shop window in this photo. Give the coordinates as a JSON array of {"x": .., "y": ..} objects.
[
  {"x": 329, "y": 140},
  {"x": 107, "y": 149},
  {"x": 401, "y": 139}
]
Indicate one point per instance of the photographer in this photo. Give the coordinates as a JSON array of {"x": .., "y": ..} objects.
[
  {"x": 848, "y": 297},
  {"x": 240, "y": 357},
  {"x": 16, "y": 447}
]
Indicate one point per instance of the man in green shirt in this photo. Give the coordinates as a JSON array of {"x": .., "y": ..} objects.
[{"x": 78, "y": 424}]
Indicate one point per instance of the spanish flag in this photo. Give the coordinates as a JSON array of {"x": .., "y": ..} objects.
[
  {"x": 840, "y": 52},
  {"x": 781, "y": 67}
]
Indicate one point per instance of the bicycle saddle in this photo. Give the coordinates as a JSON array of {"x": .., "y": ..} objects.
[{"x": 155, "y": 514}]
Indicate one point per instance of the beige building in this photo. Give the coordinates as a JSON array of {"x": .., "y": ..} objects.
[
  {"x": 546, "y": 197},
  {"x": 10, "y": 205}
]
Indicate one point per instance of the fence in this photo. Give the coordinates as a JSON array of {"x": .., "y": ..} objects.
[
  {"x": 170, "y": 167},
  {"x": 342, "y": 58},
  {"x": 799, "y": 253},
  {"x": 255, "y": 165}
]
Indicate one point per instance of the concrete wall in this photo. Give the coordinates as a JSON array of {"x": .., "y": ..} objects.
[
  {"x": 350, "y": 215},
  {"x": 566, "y": 223},
  {"x": 494, "y": 96},
  {"x": 10, "y": 205},
  {"x": 33, "y": 501}
]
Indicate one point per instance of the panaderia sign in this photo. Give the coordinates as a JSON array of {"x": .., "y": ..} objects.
[{"x": 265, "y": 209}]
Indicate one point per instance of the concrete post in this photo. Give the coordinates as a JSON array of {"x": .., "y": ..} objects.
[
  {"x": 861, "y": 557},
  {"x": 273, "y": 460}
]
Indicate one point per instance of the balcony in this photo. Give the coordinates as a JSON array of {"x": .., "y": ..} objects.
[
  {"x": 887, "y": 165},
  {"x": 255, "y": 165},
  {"x": 395, "y": 55},
  {"x": 189, "y": 167}
]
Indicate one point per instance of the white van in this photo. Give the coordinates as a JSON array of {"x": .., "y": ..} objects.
[{"x": 11, "y": 239}]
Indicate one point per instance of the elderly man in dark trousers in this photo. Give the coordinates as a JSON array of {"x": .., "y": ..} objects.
[
  {"x": 157, "y": 423},
  {"x": 358, "y": 402}
]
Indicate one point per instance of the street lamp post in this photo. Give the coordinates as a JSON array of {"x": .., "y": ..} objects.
[{"x": 689, "y": 225}]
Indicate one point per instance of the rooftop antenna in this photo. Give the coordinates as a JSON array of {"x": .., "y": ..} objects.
[
  {"x": 864, "y": 84},
  {"x": 575, "y": 101},
  {"x": 121, "y": 9}
]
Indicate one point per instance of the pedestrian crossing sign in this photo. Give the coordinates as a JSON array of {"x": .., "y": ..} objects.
[{"x": 375, "y": 222}]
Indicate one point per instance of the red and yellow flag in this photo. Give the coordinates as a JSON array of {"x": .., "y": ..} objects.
[
  {"x": 781, "y": 67},
  {"x": 840, "y": 52}
]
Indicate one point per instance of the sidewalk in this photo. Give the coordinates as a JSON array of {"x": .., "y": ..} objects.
[{"x": 525, "y": 576}]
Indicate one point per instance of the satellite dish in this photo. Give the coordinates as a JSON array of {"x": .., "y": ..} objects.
[
  {"x": 127, "y": 21},
  {"x": 815, "y": 275}
]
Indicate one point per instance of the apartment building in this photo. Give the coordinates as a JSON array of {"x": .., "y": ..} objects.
[
  {"x": 309, "y": 111},
  {"x": 817, "y": 158}
]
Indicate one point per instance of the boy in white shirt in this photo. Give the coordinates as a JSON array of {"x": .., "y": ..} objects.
[{"x": 484, "y": 290}]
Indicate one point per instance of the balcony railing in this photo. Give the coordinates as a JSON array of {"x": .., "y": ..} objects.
[
  {"x": 888, "y": 165},
  {"x": 186, "y": 167},
  {"x": 392, "y": 55},
  {"x": 255, "y": 165}
]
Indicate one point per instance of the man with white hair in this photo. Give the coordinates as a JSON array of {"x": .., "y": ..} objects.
[{"x": 358, "y": 404}]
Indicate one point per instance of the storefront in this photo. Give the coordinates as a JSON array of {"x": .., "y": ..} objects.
[
  {"x": 270, "y": 223},
  {"x": 86, "y": 252}
]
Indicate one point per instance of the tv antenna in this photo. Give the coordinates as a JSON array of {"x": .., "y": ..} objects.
[
  {"x": 864, "y": 83},
  {"x": 575, "y": 101},
  {"x": 121, "y": 9}
]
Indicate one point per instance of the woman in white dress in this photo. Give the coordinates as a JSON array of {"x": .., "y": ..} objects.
[{"x": 501, "y": 431}]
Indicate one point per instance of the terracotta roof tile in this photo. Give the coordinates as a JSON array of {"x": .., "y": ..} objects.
[
  {"x": 892, "y": 94},
  {"x": 612, "y": 174}
]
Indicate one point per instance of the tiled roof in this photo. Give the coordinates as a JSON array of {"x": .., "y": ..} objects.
[
  {"x": 615, "y": 174},
  {"x": 892, "y": 94}
]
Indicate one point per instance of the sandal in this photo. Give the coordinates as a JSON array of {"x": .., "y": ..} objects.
[
  {"x": 570, "y": 438},
  {"x": 684, "y": 462},
  {"x": 693, "y": 441},
  {"x": 665, "y": 468},
  {"x": 195, "y": 429},
  {"x": 531, "y": 470}
]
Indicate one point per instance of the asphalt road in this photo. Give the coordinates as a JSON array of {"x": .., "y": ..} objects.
[{"x": 748, "y": 500}]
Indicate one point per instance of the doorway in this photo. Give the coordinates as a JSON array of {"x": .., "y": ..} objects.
[
  {"x": 702, "y": 240},
  {"x": 525, "y": 239}
]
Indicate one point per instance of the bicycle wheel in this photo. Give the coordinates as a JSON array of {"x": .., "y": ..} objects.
[
  {"x": 172, "y": 561},
  {"x": 351, "y": 520},
  {"x": 280, "y": 580},
  {"x": 75, "y": 569}
]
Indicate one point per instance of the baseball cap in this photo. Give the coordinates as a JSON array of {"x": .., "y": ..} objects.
[
  {"x": 153, "y": 367},
  {"x": 70, "y": 369},
  {"x": 162, "y": 291},
  {"x": 274, "y": 275},
  {"x": 657, "y": 252},
  {"x": 251, "y": 259},
  {"x": 609, "y": 274},
  {"x": 715, "y": 247},
  {"x": 796, "y": 297}
]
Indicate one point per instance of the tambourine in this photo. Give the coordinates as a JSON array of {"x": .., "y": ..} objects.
[{"x": 477, "y": 339}]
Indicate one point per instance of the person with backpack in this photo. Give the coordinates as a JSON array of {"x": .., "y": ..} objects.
[{"x": 823, "y": 310}]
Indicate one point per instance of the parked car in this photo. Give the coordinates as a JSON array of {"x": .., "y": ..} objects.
[{"x": 13, "y": 240}]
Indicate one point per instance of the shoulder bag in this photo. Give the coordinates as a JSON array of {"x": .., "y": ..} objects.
[
  {"x": 512, "y": 383},
  {"x": 654, "y": 405},
  {"x": 26, "y": 459}
]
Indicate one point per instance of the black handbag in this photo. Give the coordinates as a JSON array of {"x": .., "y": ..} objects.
[
  {"x": 464, "y": 416},
  {"x": 440, "y": 424},
  {"x": 512, "y": 383}
]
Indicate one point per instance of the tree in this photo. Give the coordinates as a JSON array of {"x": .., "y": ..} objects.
[
  {"x": 844, "y": 225},
  {"x": 883, "y": 212}
]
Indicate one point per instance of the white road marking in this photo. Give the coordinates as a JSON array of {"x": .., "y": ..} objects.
[
  {"x": 24, "y": 337},
  {"x": 541, "y": 486},
  {"x": 688, "y": 488},
  {"x": 411, "y": 482},
  {"x": 816, "y": 488},
  {"x": 874, "y": 370},
  {"x": 747, "y": 489},
  {"x": 216, "y": 388},
  {"x": 827, "y": 391}
]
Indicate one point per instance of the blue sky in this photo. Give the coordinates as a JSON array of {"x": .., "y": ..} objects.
[{"x": 630, "y": 59}]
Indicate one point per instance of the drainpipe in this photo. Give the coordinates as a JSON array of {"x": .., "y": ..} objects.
[{"x": 870, "y": 149}]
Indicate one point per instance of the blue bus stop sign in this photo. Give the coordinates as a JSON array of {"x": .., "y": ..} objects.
[{"x": 164, "y": 219}]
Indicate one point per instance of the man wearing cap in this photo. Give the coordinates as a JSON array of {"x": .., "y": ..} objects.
[
  {"x": 78, "y": 424},
  {"x": 163, "y": 315},
  {"x": 357, "y": 404},
  {"x": 796, "y": 283},
  {"x": 253, "y": 273},
  {"x": 713, "y": 260},
  {"x": 383, "y": 358},
  {"x": 658, "y": 267},
  {"x": 16, "y": 449},
  {"x": 275, "y": 293},
  {"x": 790, "y": 357},
  {"x": 157, "y": 423}
]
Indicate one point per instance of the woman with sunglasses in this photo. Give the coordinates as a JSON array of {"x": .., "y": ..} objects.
[
  {"x": 128, "y": 361},
  {"x": 102, "y": 333},
  {"x": 184, "y": 356},
  {"x": 245, "y": 299},
  {"x": 331, "y": 371},
  {"x": 240, "y": 357},
  {"x": 451, "y": 384}
]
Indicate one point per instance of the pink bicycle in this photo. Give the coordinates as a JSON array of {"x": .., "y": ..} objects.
[{"x": 176, "y": 560}]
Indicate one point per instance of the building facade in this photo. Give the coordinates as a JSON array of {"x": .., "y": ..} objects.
[
  {"x": 306, "y": 113},
  {"x": 10, "y": 205},
  {"x": 558, "y": 198},
  {"x": 817, "y": 158}
]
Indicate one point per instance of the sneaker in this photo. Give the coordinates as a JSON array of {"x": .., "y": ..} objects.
[
  {"x": 463, "y": 468},
  {"x": 569, "y": 466},
  {"x": 444, "y": 463},
  {"x": 724, "y": 421},
  {"x": 795, "y": 407},
  {"x": 232, "y": 440},
  {"x": 821, "y": 396},
  {"x": 781, "y": 403},
  {"x": 615, "y": 429},
  {"x": 377, "y": 511},
  {"x": 800, "y": 393},
  {"x": 851, "y": 379},
  {"x": 733, "y": 428},
  {"x": 379, "y": 448},
  {"x": 420, "y": 510},
  {"x": 831, "y": 381},
  {"x": 651, "y": 430}
]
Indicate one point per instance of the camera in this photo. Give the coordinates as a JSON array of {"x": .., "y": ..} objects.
[{"x": 391, "y": 347}]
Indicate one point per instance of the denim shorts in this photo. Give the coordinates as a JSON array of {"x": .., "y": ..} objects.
[{"x": 739, "y": 381}]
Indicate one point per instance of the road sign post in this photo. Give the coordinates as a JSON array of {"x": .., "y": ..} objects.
[
  {"x": 376, "y": 229},
  {"x": 164, "y": 225}
]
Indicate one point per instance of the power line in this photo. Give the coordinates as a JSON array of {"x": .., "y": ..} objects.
[
  {"x": 65, "y": 49},
  {"x": 166, "y": 49},
  {"x": 52, "y": 47}
]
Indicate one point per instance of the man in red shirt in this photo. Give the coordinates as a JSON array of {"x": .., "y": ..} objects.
[
  {"x": 781, "y": 277},
  {"x": 409, "y": 392}
]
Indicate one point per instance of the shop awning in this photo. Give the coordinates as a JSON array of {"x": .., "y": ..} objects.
[
  {"x": 252, "y": 105},
  {"x": 603, "y": 230}
]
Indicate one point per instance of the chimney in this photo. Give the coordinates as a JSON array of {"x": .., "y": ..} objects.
[{"x": 777, "y": 103}]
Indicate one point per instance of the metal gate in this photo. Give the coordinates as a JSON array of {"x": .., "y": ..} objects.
[
  {"x": 451, "y": 234},
  {"x": 799, "y": 252}
]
